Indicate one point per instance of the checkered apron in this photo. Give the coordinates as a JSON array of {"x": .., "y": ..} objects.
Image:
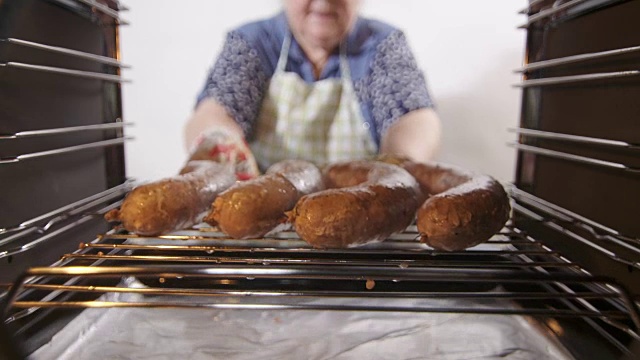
[{"x": 319, "y": 122}]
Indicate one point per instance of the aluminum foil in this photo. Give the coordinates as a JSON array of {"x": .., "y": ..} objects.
[{"x": 142, "y": 333}]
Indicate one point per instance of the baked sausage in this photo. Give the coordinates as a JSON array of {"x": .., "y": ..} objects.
[
  {"x": 173, "y": 203},
  {"x": 256, "y": 207},
  {"x": 463, "y": 209},
  {"x": 369, "y": 201}
]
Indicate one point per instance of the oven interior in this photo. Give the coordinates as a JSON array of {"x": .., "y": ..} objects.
[{"x": 565, "y": 266}]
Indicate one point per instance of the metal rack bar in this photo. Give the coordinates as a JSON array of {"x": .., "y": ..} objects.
[
  {"x": 520, "y": 209},
  {"x": 61, "y": 50},
  {"x": 546, "y": 13},
  {"x": 355, "y": 273},
  {"x": 28, "y": 246},
  {"x": 577, "y": 78},
  {"x": 384, "y": 248},
  {"x": 560, "y": 288},
  {"x": 574, "y": 138},
  {"x": 97, "y": 144},
  {"x": 404, "y": 263},
  {"x": 528, "y": 8},
  {"x": 211, "y": 249},
  {"x": 524, "y": 196},
  {"x": 316, "y": 293},
  {"x": 66, "y": 210},
  {"x": 54, "y": 294},
  {"x": 630, "y": 244},
  {"x": 416, "y": 309},
  {"x": 65, "y": 130},
  {"x": 122, "y": 7},
  {"x": 105, "y": 10},
  {"x": 575, "y": 58},
  {"x": 63, "y": 71},
  {"x": 44, "y": 229},
  {"x": 57, "y": 216},
  {"x": 575, "y": 158}
]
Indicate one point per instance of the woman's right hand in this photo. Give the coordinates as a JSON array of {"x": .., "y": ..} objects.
[
  {"x": 224, "y": 147},
  {"x": 212, "y": 134}
]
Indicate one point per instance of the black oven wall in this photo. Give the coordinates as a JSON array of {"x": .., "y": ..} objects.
[
  {"x": 605, "y": 108},
  {"x": 33, "y": 99}
]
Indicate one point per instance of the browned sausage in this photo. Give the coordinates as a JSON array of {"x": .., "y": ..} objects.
[
  {"x": 173, "y": 203},
  {"x": 371, "y": 201},
  {"x": 464, "y": 209},
  {"x": 256, "y": 207}
]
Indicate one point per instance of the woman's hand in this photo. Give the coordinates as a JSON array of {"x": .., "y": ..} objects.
[
  {"x": 223, "y": 147},
  {"x": 211, "y": 134}
]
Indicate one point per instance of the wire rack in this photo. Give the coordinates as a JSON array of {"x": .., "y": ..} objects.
[
  {"x": 220, "y": 269},
  {"x": 511, "y": 274}
]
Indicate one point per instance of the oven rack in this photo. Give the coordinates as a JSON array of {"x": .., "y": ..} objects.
[
  {"x": 108, "y": 12},
  {"x": 538, "y": 14},
  {"x": 29, "y": 234},
  {"x": 604, "y": 239},
  {"x": 513, "y": 273},
  {"x": 616, "y": 246}
]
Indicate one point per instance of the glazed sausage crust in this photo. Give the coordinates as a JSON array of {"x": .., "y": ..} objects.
[
  {"x": 370, "y": 201},
  {"x": 256, "y": 207},
  {"x": 173, "y": 203}
]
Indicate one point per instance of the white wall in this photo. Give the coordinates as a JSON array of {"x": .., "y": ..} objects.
[{"x": 467, "y": 48}]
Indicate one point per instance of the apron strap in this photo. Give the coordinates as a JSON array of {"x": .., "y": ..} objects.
[
  {"x": 284, "y": 53},
  {"x": 345, "y": 69}
]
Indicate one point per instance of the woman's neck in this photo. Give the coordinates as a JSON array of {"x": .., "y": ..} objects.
[
  {"x": 318, "y": 54},
  {"x": 318, "y": 59}
]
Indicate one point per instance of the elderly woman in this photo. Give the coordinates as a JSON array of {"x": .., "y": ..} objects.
[{"x": 316, "y": 82}]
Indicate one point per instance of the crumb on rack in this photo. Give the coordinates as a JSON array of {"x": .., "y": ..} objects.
[{"x": 370, "y": 284}]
